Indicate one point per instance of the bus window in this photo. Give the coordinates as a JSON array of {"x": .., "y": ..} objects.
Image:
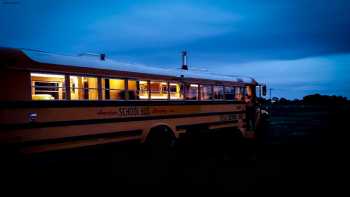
[
  {"x": 264, "y": 90},
  {"x": 175, "y": 91},
  {"x": 191, "y": 91},
  {"x": 47, "y": 86},
  {"x": 206, "y": 92},
  {"x": 218, "y": 92},
  {"x": 83, "y": 88},
  {"x": 229, "y": 93},
  {"x": 258, "y": 90},
  {"x": 159, "y": 90},
  {"x": 144, "y": 90},
  {"x": 113, "y": 89},
  {"x": 250, "y": 91},
  {"x": 132, "y": 88},
  {"x": 244, "y": 91},
  {"x": 239, "y": 94}
]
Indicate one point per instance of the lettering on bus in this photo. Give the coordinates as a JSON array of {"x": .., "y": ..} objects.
[
  {"x": 229, "y": 117},
  {"x": 125, "y": 111},
  {"x": 133, "y": 111}
]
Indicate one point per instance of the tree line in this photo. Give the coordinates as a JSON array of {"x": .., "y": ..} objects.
[{"x": 314, "y": 99}]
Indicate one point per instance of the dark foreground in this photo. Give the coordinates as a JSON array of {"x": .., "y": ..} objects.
[{"x": 302, "y": 149}]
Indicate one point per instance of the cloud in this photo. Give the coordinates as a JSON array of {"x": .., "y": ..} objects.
[
  {"x": 161, "y": 25},
  {"x": 295, "y": 78}
]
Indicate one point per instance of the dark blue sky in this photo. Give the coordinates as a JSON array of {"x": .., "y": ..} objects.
[{"x": 297, "y": 47}]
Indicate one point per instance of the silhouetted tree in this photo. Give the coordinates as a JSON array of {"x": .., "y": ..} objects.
[
  {"x": 283, "y": 101},
  {"x": 317, "y": 99}
]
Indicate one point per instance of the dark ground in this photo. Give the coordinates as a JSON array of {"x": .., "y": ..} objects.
[{"x": 302, "y": 149}]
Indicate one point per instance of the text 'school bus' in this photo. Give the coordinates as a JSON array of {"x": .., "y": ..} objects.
[{"x": 52, "y": 102}]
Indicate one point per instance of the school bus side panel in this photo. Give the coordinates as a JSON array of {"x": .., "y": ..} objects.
[{"x": 15, "y": 85}]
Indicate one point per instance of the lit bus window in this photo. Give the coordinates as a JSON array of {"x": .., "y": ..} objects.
[
  {"x": 144, "y": 90},
  {"x": 159, "y": 90},
  {"x": 191, "y": 91},
  {"x": 206, "y": 92},
  {"x": 47, "y": 86},
  {"x": 240, "y": 91},
  {"x": 175, "y": 91},
  {"x": 132, "y": 86},
  {"x": 83, "y": 88},
  {"x": 113, "y": 89},
  {"x": 218, "y": 92},
  {"x": 250, "y": 91},
  {"x": 229, "y": 93}
]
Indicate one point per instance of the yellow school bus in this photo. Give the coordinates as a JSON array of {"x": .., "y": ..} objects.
[{"x": 53, "y": 102}]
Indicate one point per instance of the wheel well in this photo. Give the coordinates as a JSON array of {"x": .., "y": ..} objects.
[{"x": 160, "y": 128}]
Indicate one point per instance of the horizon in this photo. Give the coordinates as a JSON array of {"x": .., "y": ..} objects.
[{"x": 303, "y": 51}]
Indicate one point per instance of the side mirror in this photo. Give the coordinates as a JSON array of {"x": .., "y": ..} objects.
[{"x": 264, "y": 90}]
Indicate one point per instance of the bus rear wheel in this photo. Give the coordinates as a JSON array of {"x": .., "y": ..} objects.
[{"x": 160, "y": 141}]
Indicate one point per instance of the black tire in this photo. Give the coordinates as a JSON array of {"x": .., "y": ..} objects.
[{"x": 160, "y": 141}]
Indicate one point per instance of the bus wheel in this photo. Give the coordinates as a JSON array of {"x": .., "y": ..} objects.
[{"x": 160, "y": 141}]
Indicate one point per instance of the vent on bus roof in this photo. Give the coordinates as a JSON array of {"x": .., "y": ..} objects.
[
  {"x": 184, "y": 60},
  {"x": 101, "y": 56}
]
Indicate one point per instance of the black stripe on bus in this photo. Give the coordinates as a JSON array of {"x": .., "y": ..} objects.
[
  {"x": 103, "y": 121},
  {"x": 201, "y": 125},
  {"x": 70, "y": 103},
  {"x": 120, "y": 134}
]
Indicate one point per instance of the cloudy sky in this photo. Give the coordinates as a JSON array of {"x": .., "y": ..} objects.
[{"x": 297, "y": 47}]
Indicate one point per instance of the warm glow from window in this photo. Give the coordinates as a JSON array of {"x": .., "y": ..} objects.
[
  {"x": 175, "y": 91},
  {"x": 47, "y": 86},
  {"x": 159, "y": 90},
  {"x": 46, "y": 75},
  {"x": 113, "y": 89},
  {"x": 249, "y": 91},
  {"x": 132, "y": 86},
  {"x": 83, "y": 88},
  {"x": 239, "y": 93},
  {"x": 143, "y": 94}
]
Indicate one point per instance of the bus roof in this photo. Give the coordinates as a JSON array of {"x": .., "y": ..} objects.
[{"x": 88, "y": 61}]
